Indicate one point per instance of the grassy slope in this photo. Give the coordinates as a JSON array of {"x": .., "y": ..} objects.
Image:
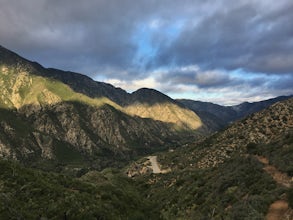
[
  {"x": 167, "y": 112},
  {"x": 33, "y": 89},
  {"x": 61, "y": 92}
]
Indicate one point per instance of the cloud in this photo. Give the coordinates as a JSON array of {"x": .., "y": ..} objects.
[
  {"x": 194, "y": 76},
  {"x": 242, "y": 36},
  {"x": 212, "y": 79},
  {"x": 251, "y": 35},
  {"x": 213, "y": 48},
  {"x": 133, "y": 85},
  {"x": 216, "y": 86}
]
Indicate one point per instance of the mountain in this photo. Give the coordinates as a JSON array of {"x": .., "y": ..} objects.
[
  {"x": 216, "y": 117},
  {"x": 242, "y": 172},
  {"x": 249, "y": 179},
  {"x": 149, "y": 103},
  {"x": 246, "y": 108},
  {"x": 77, "y": 82},
  {"x": 49, "y": 114},
  {"x": 52, "y": 120},
  {"x": 264, "y": 127}
]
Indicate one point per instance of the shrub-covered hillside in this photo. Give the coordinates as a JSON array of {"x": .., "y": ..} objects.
[{"x": 31, "y": 194}]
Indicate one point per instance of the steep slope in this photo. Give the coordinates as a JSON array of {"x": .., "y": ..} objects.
[
  {"x": 214, "y": 116},
  {"x": 149, "y": 103},
  {"x": 77, "y": 82},
  {"x": 217, "y": 117},
  {"x": 261, "y": 128},
  {"x": 222, "y": 177},
  {"x": 61, "y": 119},
  {"x": 247, "y": 108}
]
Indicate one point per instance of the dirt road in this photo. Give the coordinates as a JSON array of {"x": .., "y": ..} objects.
[{"x": 155, "y": 166}]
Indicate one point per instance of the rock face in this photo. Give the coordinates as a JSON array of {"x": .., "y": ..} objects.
[{"x": 55, "y": 115}]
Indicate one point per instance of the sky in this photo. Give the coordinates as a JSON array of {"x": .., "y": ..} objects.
[{"x": 220, "y": 51}]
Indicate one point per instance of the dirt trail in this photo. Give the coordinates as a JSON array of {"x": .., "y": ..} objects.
[
  {"x": 279, "y": 210},
  {"x": 281, "y": 178}
]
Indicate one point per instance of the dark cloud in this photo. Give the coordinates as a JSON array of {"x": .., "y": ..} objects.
[
  {"x": 193, "y": 76},
  {"x": 130, "y": 40},
  {"x": 285, "y": 83},
  {"x": 69, "y": 34},
  {"x": 245, "y": 36},
  {"x": 96, "y": 33}
]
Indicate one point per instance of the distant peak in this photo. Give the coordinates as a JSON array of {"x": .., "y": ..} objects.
[
  {"x": 5, "y": 50},
  {"x": 8, "y": 55},
  {"x": 149, "y": 96},
  {"x": 148, "y": 90}
]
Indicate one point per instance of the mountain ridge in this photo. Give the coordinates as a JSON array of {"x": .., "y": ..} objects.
[
  {"x": 86, "y": 85},
  {"x": 46, "y": 124},
  {"x": 82, "y": 124},
  {"x": 93, "y": 89},
  {"x": 219, "y": 116}
]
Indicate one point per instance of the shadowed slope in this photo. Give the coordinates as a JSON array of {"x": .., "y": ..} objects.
[{"x": 217, "y": 117}]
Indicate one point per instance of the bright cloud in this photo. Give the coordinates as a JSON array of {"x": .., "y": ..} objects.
[{"x": 132, "y": 85}]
